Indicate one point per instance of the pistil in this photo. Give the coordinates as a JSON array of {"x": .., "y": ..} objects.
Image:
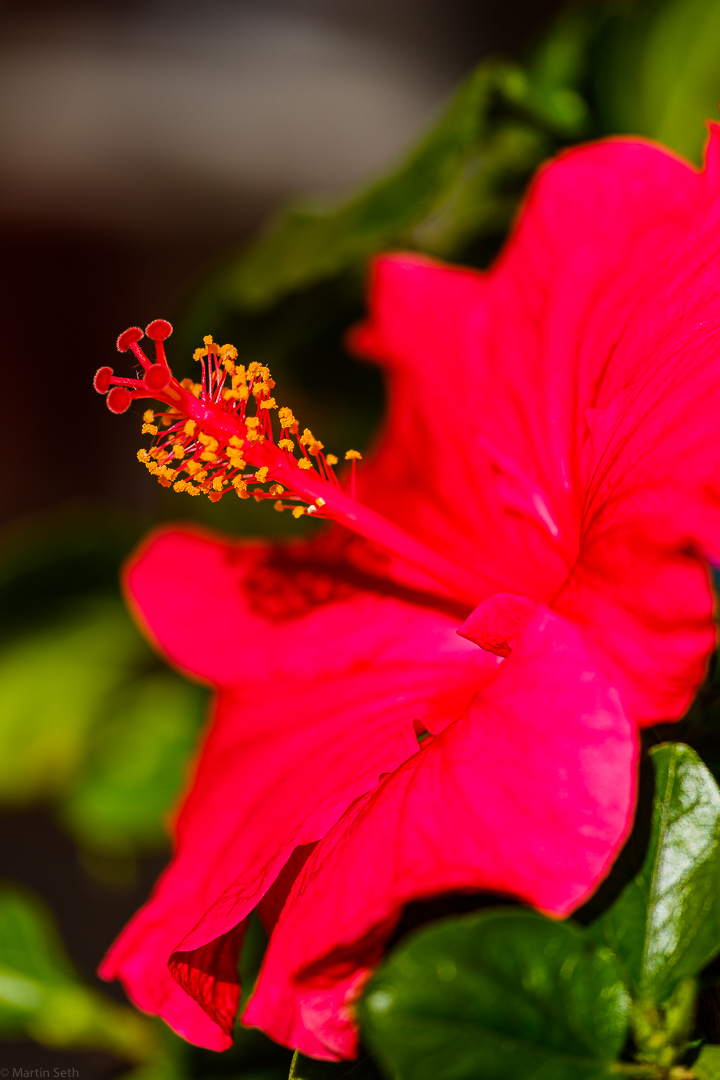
[{"x": 208, "y": 442}]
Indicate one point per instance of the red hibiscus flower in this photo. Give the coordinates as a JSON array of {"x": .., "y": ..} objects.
[{"x": 547, "y": 488}]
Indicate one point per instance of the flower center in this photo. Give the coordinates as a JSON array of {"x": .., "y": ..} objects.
[{"x": 217, "y": 436}]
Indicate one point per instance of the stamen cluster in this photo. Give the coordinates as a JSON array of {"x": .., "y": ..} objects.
[{"x": 216, "y": 435}]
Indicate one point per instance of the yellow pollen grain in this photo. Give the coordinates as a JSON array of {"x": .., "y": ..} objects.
[
  {"x": 198, "y": 355},
  {"x": 235, "y": 441},
  {"x": 286, "y": 444},
  {"x": 142, "y": 456},
  {"x": 229, "y": 351},
  {"x": 231, "y": 395},
  {"x": 181, "y": 485},
  {"x": 208, "y": 441},
  {"x": 298, "y": 511},
  {"x": 331, "y": 459},
  {"x": 148, "y": 416},
  {"x": 261, "y": 474},
  {"x": 252, "y": 421},
  {"x": 286, "y": 417},
  {"x": 307, "y": 437},
  {"x": 149, "y": 429},
  {"x": 304, "y": 463},
  {"x": 208, "y": 455},
  {"x": 320, "y": 501},
  {"x": 278, "y": 506},
  {"x": 353, "y": 455},
  {"x": 276, "y": 489},
  {"x": 315, "y": 447},
  {"x": 269, "y": 403},
  {"x": 189, "y": 428},
  {"x": 217, "y": 483},
  {"x": 236, "y": 459}
]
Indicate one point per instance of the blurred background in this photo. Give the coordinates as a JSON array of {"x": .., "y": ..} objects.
[{"x": 144, "y": 147}]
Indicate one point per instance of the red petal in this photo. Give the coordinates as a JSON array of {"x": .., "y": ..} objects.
[
  {"x": 312, "y": 711},
  {"x": 530, "y": 794}
]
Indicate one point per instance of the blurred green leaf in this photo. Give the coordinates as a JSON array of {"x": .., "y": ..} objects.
[
  {"x": 53, "y": 683},
  {"x": 463, "y": 177},
  {"x": 136, "y": 765},
  {"x": 42, "y": 998},
  {"x": 707, "y": 1066},
  {"x": 504, "y": 993},
  {"x": 665, "y": 925},
  {"x": 656, "y": 71}
]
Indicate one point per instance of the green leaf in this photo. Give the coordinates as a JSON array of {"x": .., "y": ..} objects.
[
  {"x": 53, "y": 684},
  {"x": 42, "y": 998},
  {"x": 657, "y": 71},
  {"x": 504, "y": 993},
  {"x": 136, "y": 765},
  {"x": 707, "y": 1066},
  {"x": 665, "y": 925},
  {"x": 305, "y": 1068},
  {"x": 464, "y": 176}
]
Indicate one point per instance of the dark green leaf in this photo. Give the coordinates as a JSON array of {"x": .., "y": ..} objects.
[
  {"x": 707, "y": 1066},
  {"x": 504, "y": 993},
  {"x": 665, "y": 925},
  {"x": 305, "y": 1068}
]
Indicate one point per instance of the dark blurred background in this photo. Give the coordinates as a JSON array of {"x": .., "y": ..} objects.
[{"x": 140, "y": 142}]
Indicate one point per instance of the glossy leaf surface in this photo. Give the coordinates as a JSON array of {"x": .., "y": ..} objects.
[
  {"x": 665, "y": 925},
  {"x": 505, "y": 993}
]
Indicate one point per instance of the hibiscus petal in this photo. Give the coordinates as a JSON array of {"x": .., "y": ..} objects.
[
  {"x": 569, "y": 400},
  {"x": 490, "y": 374},
  {"x": 530, "y": 794},
  {"x": 312, "y": 710}
]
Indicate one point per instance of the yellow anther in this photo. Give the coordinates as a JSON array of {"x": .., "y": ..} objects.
[
  {"x": 178, "y": 451},
  {"x": 198, "y": 355},
  {"x": 208, "y": 441},
  {"x": 278, "y": 506},
  {"x": 229, "y": 351},
  {"x": 307, "y": 437},
  {"x": 298, "y": 511},
  {"x": 217, "y": 483},
  {"x": 142, "y": 456},
  {"x": 149, "y": 429},
  {"x": 194, "y": 388},
  {"x": 201, "y": 477},
  {"x": 276, "y": 489},
  {"x": 286, "y": 444},
  {"x": 207, "y": 340},
  {"x": 235, "y": 441},
  {"x": 156, "y": 452},
  {"x": 253, "y": 435},
  {"x": 236, "y": 459},
  {"x": 193, "y": 467},
  {"x": 353, "y": 454},
  {"x": 215, "y": 496},
  {"x": 269, "y": 403},
  {"x": 208, "y": 455},
  {"x": 181, "y": 485},
  {"x": 320, "y": 501},
  {"x": 153, "y": 467},
  {"x": 258, "y": 498},
  {"x": 331, "y": 459},
  {"x": 192, "y": 490},
  {"x": 261, "y": 474},
  {"x": 304, "y": 463},
  {"x": 231, "y": 395},
  {"x": 189, "y": 428},
  {"x": 238, "y": 378},
  {"x": 229, "y": 365},
  {"x": 315, "y": 447},
  {"x": 241, "y": 488},
  {"x": 286, "y": 417},
  {"x": 148, "y": 416},
  {"x": 252, "y": 421}
]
